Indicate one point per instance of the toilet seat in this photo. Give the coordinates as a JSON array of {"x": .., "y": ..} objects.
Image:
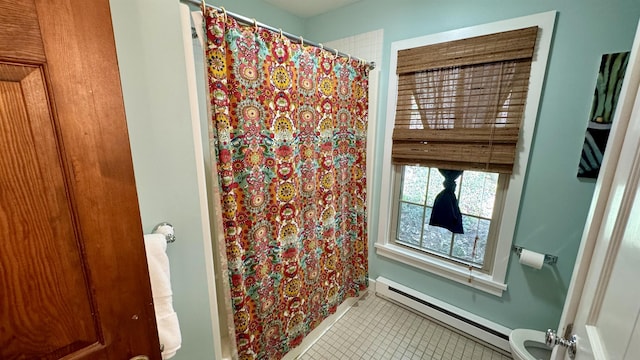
[{"x": 519, "y": 337}]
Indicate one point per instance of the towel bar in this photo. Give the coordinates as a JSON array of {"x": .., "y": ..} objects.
[{"x": 167, "y": 230}]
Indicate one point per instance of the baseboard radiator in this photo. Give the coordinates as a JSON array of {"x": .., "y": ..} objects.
[{"x": 456, "y": 318}]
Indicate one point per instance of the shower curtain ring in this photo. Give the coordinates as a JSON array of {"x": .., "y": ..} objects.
[
  {"x": 321, "y": 46},
  {"x": 204, "y": 7},
  {"x": 224, "y": 12},
  {"x": 301, "y": 42},
  {"x": 349, "y": 60},
  {"x": 255, "y": 24},
  {"x": 337, "y": 55},
  {"x": 281, "y": 38}
]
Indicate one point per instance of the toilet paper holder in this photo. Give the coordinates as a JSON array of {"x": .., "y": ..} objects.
[{"x": 548, "y": 259}]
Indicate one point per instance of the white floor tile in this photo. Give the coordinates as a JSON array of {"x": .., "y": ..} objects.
[{"x": 379, "y": 329}]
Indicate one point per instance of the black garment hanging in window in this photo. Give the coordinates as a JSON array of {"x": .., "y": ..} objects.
[{"x": 446, "y": 212}]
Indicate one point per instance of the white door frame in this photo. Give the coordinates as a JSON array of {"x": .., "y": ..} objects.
[{"x": 607, "y": 200}]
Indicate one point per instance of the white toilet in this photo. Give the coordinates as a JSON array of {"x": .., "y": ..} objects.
[{"x": 529, "y": 345}]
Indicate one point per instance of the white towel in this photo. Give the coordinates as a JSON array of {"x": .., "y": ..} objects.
[{"x": 166, "y": 318}]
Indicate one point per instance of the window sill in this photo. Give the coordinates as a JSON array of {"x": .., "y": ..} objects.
[{"x": 442, "y": 268}]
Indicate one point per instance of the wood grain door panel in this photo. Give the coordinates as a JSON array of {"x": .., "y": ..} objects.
[
  {"x": 20, "y": 36},
  {"x": 73, "y": 272},
  {"x": 42, "y": 272}
]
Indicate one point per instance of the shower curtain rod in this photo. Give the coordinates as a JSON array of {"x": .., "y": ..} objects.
[{"x": 298, "y": 39}]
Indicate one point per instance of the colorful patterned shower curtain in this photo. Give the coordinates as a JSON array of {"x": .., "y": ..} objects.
[{"x": 288, "y": 131}]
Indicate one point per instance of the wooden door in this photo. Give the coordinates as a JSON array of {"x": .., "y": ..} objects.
[
  {"x": 602, "y": 308},
  {"x": 73, "y": 273}
]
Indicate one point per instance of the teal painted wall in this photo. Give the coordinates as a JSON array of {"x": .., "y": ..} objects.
[
  {"x": 153, "y": 75},
  {"x": 264, "y": 13},
  {"x": 554, "y": 203}
]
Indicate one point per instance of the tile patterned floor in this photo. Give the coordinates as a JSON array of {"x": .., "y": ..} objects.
[{"x": 379, "y": 329}]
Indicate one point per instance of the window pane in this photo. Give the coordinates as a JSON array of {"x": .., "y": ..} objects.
[
  {"x": 414, "y": 184},
  {"x": 470, "y": 200},
  {"x": 489, "y": 199},
  {"x": 463, "y": 243},
  {"x": 482, "y": 241},
  {"x": 410, "y": 223},
  {"x": 477, "y": 193},
  {"x": 435, "y": 185},
  {"x": 435, "y": 238}
]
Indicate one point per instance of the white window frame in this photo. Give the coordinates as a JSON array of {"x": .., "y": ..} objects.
[
  {"x": 494, "y": 281},
  {"x": 496, "y": 215}
]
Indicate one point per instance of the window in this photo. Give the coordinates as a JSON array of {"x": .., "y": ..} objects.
[
  {"x": 480, "y": 198},
  {"x": 485, "y": 122}
]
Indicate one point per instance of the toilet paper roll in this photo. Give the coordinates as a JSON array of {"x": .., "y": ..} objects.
[{"x": 532, "y": 259}]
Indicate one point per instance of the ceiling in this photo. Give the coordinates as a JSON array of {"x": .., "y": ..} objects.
[{"x": 309, "y": 8}]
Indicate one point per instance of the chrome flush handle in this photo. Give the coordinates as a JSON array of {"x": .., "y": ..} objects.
[{"x": 551, "y": 339}]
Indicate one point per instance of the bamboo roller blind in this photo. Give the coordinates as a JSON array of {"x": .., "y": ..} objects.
[{"x": 460, "y": 103}]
